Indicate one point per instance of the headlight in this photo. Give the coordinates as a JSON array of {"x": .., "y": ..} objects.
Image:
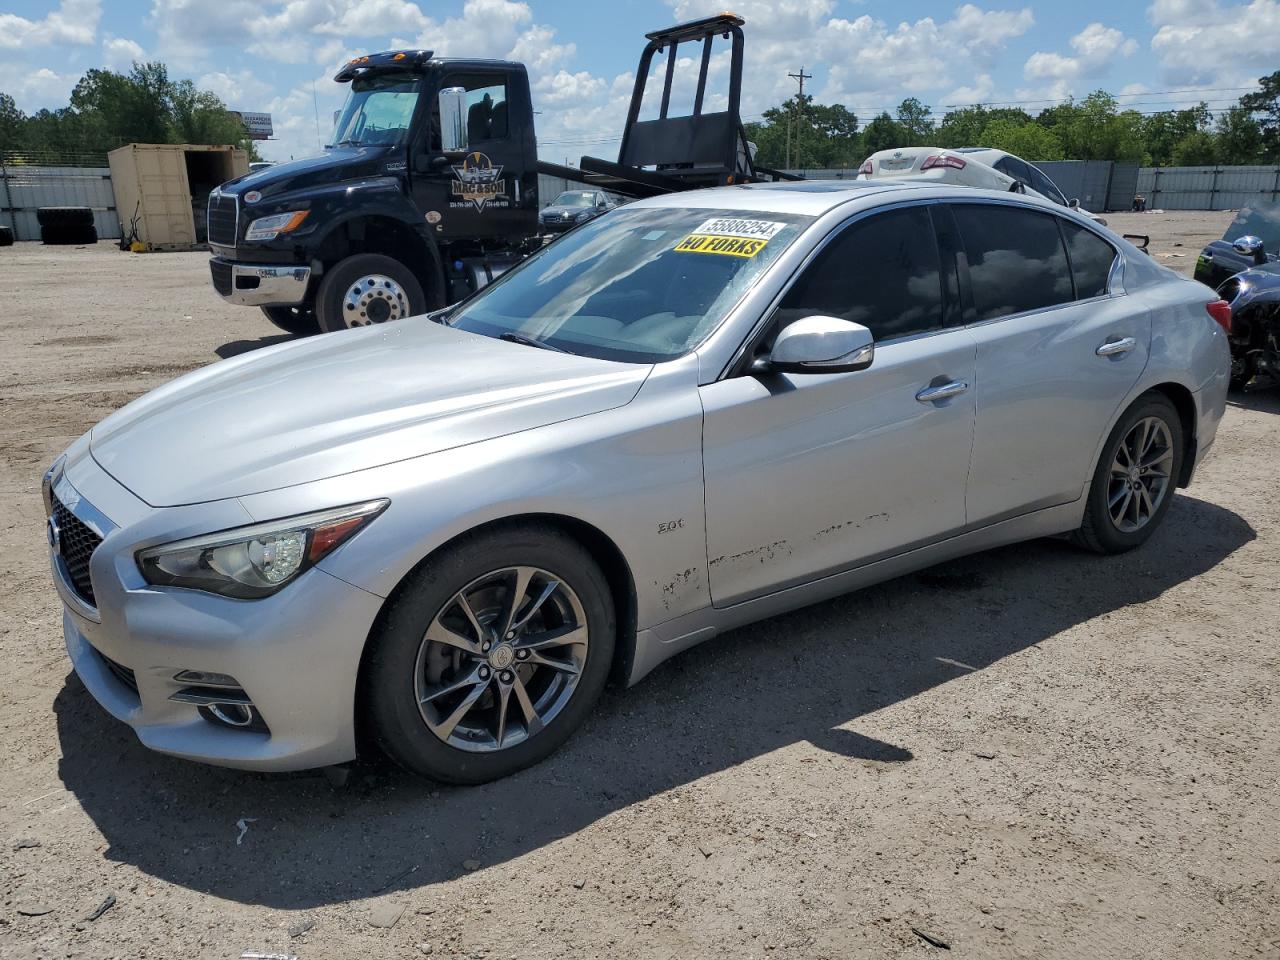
[
  {"x": 268, "y": 228},
  {"x": 256, "y": 561}
]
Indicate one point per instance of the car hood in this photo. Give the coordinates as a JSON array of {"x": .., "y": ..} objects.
[
  {"x": 554, "y": 211},
  {"x": 335, "y": 165},
  {"x": 328, "y": 405}
]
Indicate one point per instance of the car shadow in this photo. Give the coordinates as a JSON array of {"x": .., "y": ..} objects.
[
  {"x": 236, "y": 347},
  {"x": 807, "y": 676},
  {"x": 1264, "y": 398}
]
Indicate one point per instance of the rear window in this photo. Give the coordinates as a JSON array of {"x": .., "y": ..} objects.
[
  {"x": 1016, "y": 259},
  {"x": 1091, "y": 259}
]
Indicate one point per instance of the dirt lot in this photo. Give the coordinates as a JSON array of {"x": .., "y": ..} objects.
[{"x": 1029, "y": 753}]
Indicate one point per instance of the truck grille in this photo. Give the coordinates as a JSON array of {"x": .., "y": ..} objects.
[
  {"x": 221, "y": 271},
  {"x": 224, "y": 217},
  {"x": 76, "y": 543}
]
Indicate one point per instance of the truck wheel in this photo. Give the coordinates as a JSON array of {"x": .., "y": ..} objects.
[
  {"x": 300, "y": 320},
  {"x": 367, "y": 288}
]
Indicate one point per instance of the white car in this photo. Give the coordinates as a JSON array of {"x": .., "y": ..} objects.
[{"x": 969, "y": 167}]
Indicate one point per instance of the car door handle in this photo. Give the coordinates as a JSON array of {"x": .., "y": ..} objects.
[
  {"x": 1113, "y": 348},
  {"x": 942, "y": 391}
]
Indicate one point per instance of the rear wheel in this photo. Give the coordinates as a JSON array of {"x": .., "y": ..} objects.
[
  {"x": 1133, "y": 484},
  {"x": 299, "y": 319},
  {"x": 366, "y": 289},
  {"x": 491, "y": 656}
]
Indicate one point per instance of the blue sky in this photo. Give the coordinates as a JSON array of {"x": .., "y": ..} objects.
[{"x": 279, "y": 56}]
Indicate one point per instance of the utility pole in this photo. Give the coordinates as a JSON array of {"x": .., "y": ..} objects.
[{"x": 801, "y": 77}]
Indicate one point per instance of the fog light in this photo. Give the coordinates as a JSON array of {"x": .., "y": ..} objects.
[
  {"x": 232, "y": 714},
  {"x": 201, "y": 678}
]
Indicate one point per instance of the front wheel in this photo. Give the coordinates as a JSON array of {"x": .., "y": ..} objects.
[
  {"x": 299, "y": 319},
  {"x": 491, "y": 656},
  {"x": 1133, "y": 484},
  {"x": 365, "y": 289}
]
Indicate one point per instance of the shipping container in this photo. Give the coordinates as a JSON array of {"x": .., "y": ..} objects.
[{"x": 167, "y": 186}]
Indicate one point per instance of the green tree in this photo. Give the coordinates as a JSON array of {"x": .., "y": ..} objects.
[
  {"x": 12, "y": 121},
  {"x": 915, "y": 123},
  {"x": 1265, "y": 104},
  {"x": 964, "y": 127},
  {"x": 1162, "y": 132},
  {"x": 883, "y": 133},
  {"x": 1028, "y": 140},
  {"x": 1197, "y": 149},
  {"x": 1239, "y": 137},
  {"x": 806, "y": 134}
]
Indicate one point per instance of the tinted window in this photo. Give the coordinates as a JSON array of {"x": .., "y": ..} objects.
[
  {"x": 1091, "y": 259},
  {"x": 1044, "y": 186},
  {"x": 881, "y": 272},
  {"x": 1016, "y": 259},
  {"x": 1013, "y": 167}
]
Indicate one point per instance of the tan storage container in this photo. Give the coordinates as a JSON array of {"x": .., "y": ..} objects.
[{"x": 167, "y": 187}]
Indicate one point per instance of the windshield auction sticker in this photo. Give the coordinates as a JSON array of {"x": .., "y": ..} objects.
[{"x": 730, "y": 236}]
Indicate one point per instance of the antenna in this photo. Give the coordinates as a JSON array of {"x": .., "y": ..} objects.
[{"x": 316, "y": 104}]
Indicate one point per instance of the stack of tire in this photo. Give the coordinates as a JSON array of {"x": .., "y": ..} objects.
[{"x": 66, "y": 225}]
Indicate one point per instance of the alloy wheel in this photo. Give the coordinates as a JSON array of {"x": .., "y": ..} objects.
[
  {"x": 374, "y": 299},
  {"x": 501, "y": 659},
  {"x": 1140, "y": 474}
]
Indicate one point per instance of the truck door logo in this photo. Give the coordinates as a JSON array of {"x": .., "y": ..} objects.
[{"x": 478, "y": 182}]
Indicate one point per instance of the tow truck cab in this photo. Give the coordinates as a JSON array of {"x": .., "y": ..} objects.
[{"x": 430, "y": 183}]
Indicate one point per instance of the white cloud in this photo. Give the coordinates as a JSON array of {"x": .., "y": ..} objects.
[
  {"x": 75, "y": 21},
  {"x": 1206, "y": 41},
  {"x": 1096, "y": 48},
  {"x": 119, "y": 53},
  {"x": 240, "y": 90},
  {"x": 33, "y": 89}
]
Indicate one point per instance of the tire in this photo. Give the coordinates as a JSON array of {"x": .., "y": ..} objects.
[
  {"x": 391, "y": 292},
  {"x": 299, "y": 320},
  {"x": 6, "y": 236},
  {"x": 404, "y": 665},
  {"x": 64, "y": 216},
  {"x": 1101, "y": 531}
]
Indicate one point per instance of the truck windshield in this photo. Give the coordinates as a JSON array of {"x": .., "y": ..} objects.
[
  {"x": 574, "y": 200},
  {"x": 378, "y": 110},
  {"x": 636, "y": 285}
]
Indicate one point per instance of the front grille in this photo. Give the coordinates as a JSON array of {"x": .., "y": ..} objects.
[
  {"x": 221, "y": 271},
  {"x": 76, "y": 545},
  {"x": 122, "y": 673},
  {"x": 223, "y": 219}
]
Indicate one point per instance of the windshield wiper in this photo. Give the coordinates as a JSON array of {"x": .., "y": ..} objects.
[{"x": 512, "y": 337}]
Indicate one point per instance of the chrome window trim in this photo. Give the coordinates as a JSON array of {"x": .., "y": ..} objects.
[{"x": 736, "y": 358}]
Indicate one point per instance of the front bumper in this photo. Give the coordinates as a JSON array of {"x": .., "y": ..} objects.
[
  {"x": 259, "y": 285},
  {"x": 296, "y": 654}
]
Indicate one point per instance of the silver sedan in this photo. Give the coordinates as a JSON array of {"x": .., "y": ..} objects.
[{"x": 694, "y": 412}]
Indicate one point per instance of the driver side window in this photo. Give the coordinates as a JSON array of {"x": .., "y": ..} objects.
[
  {"x": 883, "y": 272},
  {"x": 484, "y": 109}
]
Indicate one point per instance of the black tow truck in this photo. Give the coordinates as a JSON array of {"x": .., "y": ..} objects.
[{"x": 429, "y": 189}]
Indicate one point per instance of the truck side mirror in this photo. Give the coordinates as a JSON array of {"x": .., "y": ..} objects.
[
  {"x": 453, "y": 119},
  {"x": 1074, "y": 203}
]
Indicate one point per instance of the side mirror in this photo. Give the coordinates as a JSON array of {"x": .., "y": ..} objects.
[
  {"x": 453, "y": 119},
  {"x": 1074, "y": 203},
  {"x": 1250, "y": 246},
  {"x": 819, "y": 345}
]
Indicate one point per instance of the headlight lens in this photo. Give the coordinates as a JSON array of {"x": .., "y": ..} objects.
[
  {"x": 256, "y": 561},
  {"x": 268, "y": 228}
]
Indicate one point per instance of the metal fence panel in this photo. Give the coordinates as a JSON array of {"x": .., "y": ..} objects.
[
  {"x": 1124, "y": 186},
  {"x": 23, "y": 189},
  {"x": 1208, "y": 188}
]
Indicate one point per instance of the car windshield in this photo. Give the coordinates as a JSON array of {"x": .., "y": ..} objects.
[
  {"x": 641, "y": 286},
  {"x": 378, "y": 110},
  {"x": 1261, "y": 220},
  {"x": 571, "y": 199}
]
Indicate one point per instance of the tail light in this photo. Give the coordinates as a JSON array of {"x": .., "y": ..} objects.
[
  {"x": 866, "y": 169},
  {"x": 1220, "y": 310},
  {"x": 942, "y": 160}
]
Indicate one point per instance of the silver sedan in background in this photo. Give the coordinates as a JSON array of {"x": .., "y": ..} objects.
[{"x": 691, "y": 413}]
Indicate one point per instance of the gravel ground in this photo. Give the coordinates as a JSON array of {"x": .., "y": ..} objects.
[{"x": 1033, "y": 752}]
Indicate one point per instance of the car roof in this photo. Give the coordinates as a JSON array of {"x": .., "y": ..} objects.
[{"x": 816, "y": 197}]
